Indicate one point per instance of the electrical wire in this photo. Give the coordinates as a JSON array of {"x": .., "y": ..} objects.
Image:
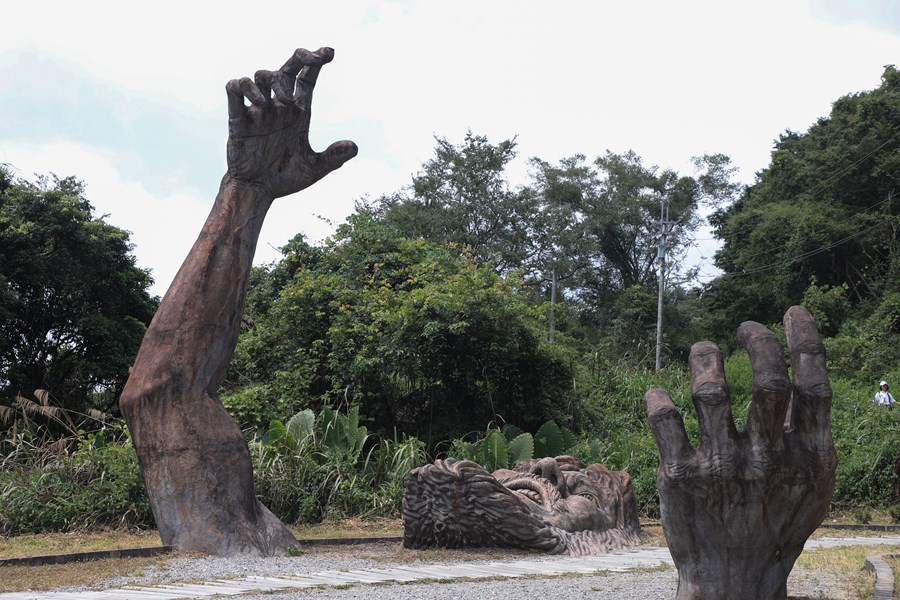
[
  {"x": 794, "y": 259},
  {"x": 825, "y": 182}
]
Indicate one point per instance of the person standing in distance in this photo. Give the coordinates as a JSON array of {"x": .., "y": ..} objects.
[{"x": 883, "y": 397}]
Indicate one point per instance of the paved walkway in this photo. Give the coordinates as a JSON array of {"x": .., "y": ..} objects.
[{"x": 617, "y": 561}]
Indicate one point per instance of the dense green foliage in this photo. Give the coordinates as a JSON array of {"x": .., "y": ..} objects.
[
  {"x": 582, "y": 236},
  {"x": 329, "y": 467},
  {"x": 312, "y": 467},
  {"x": 464, "y": 316},
  {"x": 823, "y": 213},
  {"x": 421, "y": 337},
  {"x": 73, "y": 305}
]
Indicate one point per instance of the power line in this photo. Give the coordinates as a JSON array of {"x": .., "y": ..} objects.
[
  {"x": 770, "y": 250},
  {"x": 827, "y": 181},
  {"x": 805, "y": 254}
]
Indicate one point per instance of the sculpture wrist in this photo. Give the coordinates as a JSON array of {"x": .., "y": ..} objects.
[{"x": 255, "y": 192}]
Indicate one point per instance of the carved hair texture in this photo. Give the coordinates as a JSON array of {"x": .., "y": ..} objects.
[{"x": 551, "y": 505}]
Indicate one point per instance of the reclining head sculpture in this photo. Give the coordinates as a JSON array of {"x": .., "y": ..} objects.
[
  {"x": 738, "y": 509},
  {"x": 554, "y": 505}
]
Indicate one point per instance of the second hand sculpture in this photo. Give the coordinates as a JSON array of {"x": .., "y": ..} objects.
[
  {"x": 193, "y": 457},
  {"x": 737, "y": 511}
]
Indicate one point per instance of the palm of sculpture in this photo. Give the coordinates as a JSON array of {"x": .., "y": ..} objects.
[
  {"x": 193, "y": 456},
  {"x": 737, "y": 510}
]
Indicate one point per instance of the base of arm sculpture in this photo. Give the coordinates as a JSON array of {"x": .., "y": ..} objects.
[
  {"x": 193, "y": 457},
  {"x": 737, "y": 511}
]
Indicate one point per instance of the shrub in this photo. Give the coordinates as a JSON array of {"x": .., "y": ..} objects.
[
  {"x": 53, "y": 489},
  {"x": 329, "y": 467}
]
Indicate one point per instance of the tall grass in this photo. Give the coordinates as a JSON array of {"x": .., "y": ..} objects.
[
  {"x": 327, "y": 466},
  {"x": 54, "y": 488}
]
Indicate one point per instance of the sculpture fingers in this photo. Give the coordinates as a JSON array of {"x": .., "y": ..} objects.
[
  {"x": 303, "y": 58},
  {"x": 811, "y": 404},
  {"x": 282, "y": 87},
  {"x": 709, "y": 392},
  {"x": 237, "y": 90},
  {"x": 304, "y": 66},
  {"x": 264, "y": 81},
  {"x": 675, "y": 451},
  {"x": 303, "y": 88},
  {"x": 771, "y": 387},
  {"x": 321, "y": 164}
]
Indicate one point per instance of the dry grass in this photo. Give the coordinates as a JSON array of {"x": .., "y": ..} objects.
[
  {"x": 844, "y": 516},
  {"x": 842, "y": 566},
  {"x": 652, "y": 535},
  {"x": 846, "y": 565},
  {"x": 88, "y": 573},
  {"x": 65, "y": 543},
  {"x": 349, "y": 528}
]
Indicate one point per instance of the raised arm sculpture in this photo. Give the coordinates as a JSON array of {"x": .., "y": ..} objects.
[
  {"x": 737, "y": 510},
  {"x": 193, "y": 457}
]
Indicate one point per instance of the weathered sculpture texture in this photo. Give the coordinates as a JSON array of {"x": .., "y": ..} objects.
[
  {"x": 193, "y": 457},
  {"x": 737, "y": 510},
  {"x": 554, "y": 505}
]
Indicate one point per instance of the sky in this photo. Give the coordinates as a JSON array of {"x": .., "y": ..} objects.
[{"x": 130, "y": 98}]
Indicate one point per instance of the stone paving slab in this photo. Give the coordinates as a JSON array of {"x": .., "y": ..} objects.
[
  {"x": 618, "y": 561},
  {"x": 884, "y": 577}
]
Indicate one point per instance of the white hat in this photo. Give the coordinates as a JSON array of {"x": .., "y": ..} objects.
[{"x": 882, "y": 383}]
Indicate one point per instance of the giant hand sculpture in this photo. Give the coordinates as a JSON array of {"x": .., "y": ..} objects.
[
  {"x": 737, "y": 510},
  {"x": 193, "y": 457}
]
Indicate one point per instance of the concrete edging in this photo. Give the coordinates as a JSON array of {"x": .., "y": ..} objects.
[
  {"x": 348, "y": 541},
  {"x": 860, "y": 527},
  {"x": 884, "y": 576},
  {"x": 59, "y": 559}
]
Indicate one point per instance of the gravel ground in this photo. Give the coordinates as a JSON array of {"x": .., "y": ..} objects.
[{"x": 642, "y": 585}]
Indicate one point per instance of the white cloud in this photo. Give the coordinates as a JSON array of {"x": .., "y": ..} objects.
[
  {"x": 668, "y": 79},
  {"x": 163, "y": 227}
]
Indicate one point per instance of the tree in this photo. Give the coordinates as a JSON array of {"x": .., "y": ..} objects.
[
  {"x": 194, "y": 459},
  {"x": 560, "y": 246},
  {"x": 823, "y": 212},
  {"x": 625, "y": 216},
  {"x": 73, "y": 303},
  {"x": 420, "y": 336},
  {"x": 622, "y": 222},
  {"x": 462, "y": 195}
]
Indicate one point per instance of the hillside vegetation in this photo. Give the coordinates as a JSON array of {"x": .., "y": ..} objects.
[{"x": 467, "y": 316}]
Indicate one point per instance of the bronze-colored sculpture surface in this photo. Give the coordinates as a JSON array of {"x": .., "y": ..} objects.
[
  {"x": 554, "y": 505},
  {"x": 737, "y": 510},
  {"x": 194, "y": 460}
]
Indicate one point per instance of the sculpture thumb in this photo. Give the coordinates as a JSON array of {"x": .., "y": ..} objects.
[{"x": 337, "y": 154}]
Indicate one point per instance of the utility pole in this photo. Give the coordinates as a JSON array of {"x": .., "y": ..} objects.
[{"x": 661, "y": 256}]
